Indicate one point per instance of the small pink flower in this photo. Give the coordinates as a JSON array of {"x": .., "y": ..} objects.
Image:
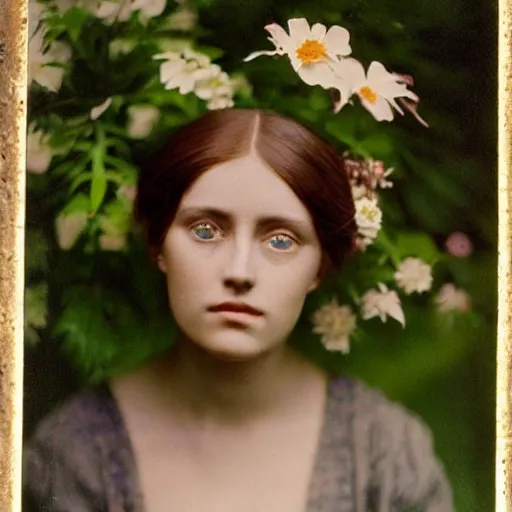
[{"x": 459, "y": 245}]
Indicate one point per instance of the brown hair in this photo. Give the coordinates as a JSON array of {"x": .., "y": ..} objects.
[{"x": 305, "y": 161}]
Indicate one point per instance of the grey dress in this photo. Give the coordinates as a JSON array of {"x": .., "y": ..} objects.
[{"x": 373, "y": 456}]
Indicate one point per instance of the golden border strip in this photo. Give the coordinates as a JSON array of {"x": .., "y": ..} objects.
[
  {"x": 504, "y": 349},
  {"x": 13, "y": 93}
]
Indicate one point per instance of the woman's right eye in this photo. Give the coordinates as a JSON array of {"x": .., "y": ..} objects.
[{"x": 206, "y": 231}]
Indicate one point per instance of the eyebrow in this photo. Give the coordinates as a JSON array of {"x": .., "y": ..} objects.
[{"x": 269, "y": 220}]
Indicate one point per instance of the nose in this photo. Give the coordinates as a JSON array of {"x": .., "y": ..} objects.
[{"x": 239, "y": 272}]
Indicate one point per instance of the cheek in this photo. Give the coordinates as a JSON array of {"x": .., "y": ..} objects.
[
  {"x": 290, "y": 284},
  {"x": 184, "y": 274}
]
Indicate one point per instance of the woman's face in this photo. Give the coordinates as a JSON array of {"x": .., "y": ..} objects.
[{"x": 240, "y": 239}]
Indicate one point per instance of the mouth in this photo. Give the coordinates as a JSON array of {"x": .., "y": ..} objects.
[{"x": 235, "y": 307}]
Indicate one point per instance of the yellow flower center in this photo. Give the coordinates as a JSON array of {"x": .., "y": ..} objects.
[
  {"x": 311, "y": 51},
  {"x": 369, "y": 213},
  {"x": 368, "y": 94}
]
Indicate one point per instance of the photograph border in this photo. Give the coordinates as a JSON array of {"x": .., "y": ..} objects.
[
  {"x": 504, "y": 341},
  {"x": 13, "y": 111},
  {"x": 13, "y": 114}
]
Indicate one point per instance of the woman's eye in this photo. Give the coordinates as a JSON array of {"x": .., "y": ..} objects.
[
  {"x": 205, "y": 231},
  {"x": 282, "y": 242}
]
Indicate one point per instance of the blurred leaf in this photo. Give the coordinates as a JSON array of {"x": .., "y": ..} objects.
[
  {"x": 416, "y": 244},
  {"x": 99, "y": 178}
]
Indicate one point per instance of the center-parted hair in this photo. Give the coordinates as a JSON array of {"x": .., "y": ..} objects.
[{"x": 305, "y": 161}]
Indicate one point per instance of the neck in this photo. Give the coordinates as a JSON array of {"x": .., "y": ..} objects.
[{"x": 205, "y": 387}]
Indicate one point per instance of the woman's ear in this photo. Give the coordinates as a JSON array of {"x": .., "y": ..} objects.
[
  {"x": 158, "y": 259},
  {"x": 324, "y": 265},
  {"x": 314, "y": 285},
  {"x": 161, "y": 263}
]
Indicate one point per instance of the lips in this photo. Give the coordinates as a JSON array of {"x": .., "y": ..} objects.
[{"x": 235, "y": 307}]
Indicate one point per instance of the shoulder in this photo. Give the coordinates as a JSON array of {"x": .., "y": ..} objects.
[
  {"x": 62, "y": 461},
  {"x": 372, "y": 410},
  {"x": 79, "y": 417},
  {"x": 394, "y": 450}
]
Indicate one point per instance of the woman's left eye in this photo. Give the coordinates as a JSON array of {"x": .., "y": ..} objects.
[{"x": 282, "y": 242}]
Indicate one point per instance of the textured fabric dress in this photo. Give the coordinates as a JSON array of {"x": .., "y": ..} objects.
[{"x": 373, "y": 456}]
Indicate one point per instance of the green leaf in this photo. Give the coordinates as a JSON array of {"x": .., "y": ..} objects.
[
  {"x": 74, "y": 19},
  {"x": 99, "y": 179},
  {"x": 80, "y": 180},
  {"x": 79, "y": 203},
  {"x": 389, "y": 248},
  {"x": 420, "y": 245},
  {"x": 378, "y": 145}
]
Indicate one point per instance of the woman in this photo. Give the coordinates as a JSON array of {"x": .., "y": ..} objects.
[{"x": 245, "y": 212}]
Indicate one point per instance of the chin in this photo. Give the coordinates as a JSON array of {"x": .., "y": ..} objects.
[{"x": 232, "y": 346}]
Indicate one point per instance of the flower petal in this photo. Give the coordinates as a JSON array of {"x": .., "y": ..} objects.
[
  {"x": 377, "y": 72},
  {"x": 352, "y": 71},
  {"x": 187, "y": 83},
  {"x": 58, "y": 52},
  {"x": 337, "y": 41},
  {"x": 299, "y": 31},
  {"x": 317, "y": 74},
  {"x": 255, "y": 55},
  {"x": 100, "y": 109},
  {"x": 395, "y": 311},
  {"x": 169, "y": 70},
  {"x": 50, "y": 77},
  {"x": 318, "y": 31},
  {"x": 279, "y": 37},
  {"x": 381, "y": 109}
]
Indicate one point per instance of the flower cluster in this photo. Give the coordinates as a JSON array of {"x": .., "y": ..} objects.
[
  {"x": 320, "y": 56},
  {"x": 189, "y": 71},
  {"x": 366, "y": 177},
  {"x": 115, "y": 11}
]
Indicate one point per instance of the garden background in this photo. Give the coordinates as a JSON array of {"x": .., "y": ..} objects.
[{"x": 444, "y": 182}]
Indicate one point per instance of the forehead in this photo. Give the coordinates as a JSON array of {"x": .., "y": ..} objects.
[{"x": 245, "y": 186}]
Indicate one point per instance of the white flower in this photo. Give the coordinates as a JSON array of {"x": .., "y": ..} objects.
[
  {"x": 216, "y": 88},
  {"x": 141, "y": 120},
  {"x": 217, "y": 83},
  {"x": 335, "y": 323},
  {"x": 40, "y": 62},
  {"x": 368, "y": 217},
  {"x": 69, "y": 227},
  {"x": 89, "y": 5},
  {"x": 313, "y": 52},
  {"x": 100, "y": 109},
  {"x": 36, "y": 311},
  {"x": 381, "y": 303},
  {"x": 112, "y": 12},
  {"x": 220, "y": 102},
  {"x": 414, "y": 275},
  {"x": 149, "y": 8},
  {"x": 35, "y": 18},
  {"x": 450, "y": 298},
  {"x": 377, "y": 89},
  {"x": 182, "y": 20},
  {"x": 358, "y": 192},
  {"x": 183, "y": 72},
  {"x": 39, "y": 152}
]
